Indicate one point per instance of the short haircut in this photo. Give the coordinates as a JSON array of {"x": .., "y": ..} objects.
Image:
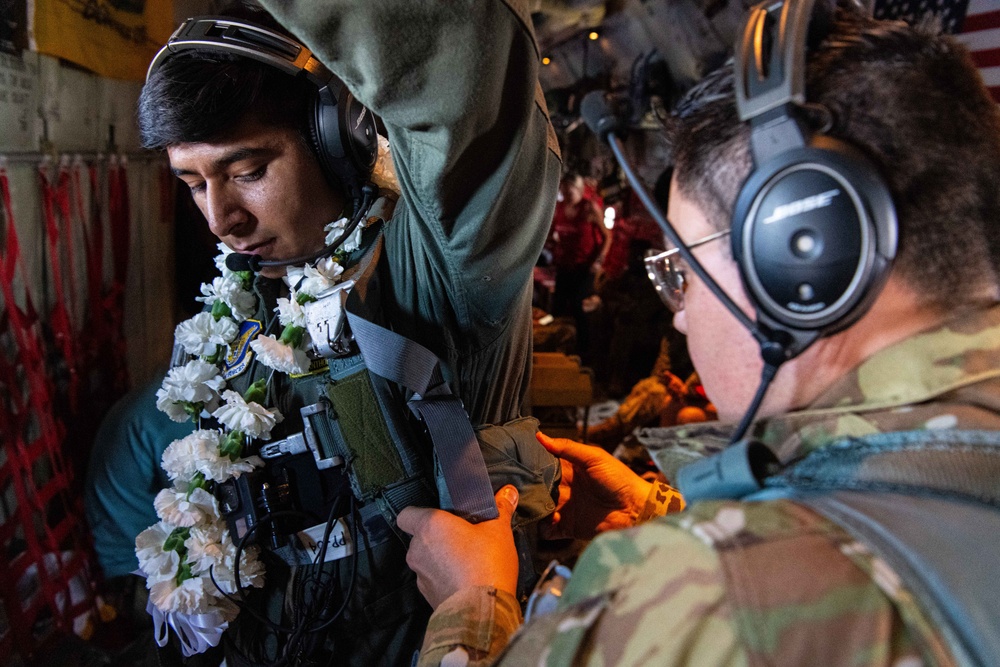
[
  {"x": 912, "y": 101},
  {"x": 201, "y": 95}
]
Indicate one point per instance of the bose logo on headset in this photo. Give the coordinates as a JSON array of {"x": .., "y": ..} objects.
[{"x": 822, "y": 200}]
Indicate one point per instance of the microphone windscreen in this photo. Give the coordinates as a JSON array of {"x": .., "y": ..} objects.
[
  {"x": 597, "y": 115},
  {"x": 236, "y": 261}
]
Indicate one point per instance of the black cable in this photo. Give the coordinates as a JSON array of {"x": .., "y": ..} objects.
[
  {"x": 240, "y": 589},
  {"x": 368, "y": 197},
  {"x": 767, "y": 374},
  {"x": 303, "y": 642},
  {"x": 306, "y": 613},
  {"x": 354, "y": 568}
]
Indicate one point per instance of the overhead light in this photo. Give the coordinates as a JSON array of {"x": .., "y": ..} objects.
[
  {"x": 546, "y": 60},
  {"x": 593, "y": 35}
]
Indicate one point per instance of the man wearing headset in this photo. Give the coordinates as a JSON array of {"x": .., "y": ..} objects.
[
  {"x": 860, "y": 548},
  {"x": 477, "y": 165}
]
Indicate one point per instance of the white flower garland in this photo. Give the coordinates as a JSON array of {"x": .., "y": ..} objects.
[{"x": 189, "y": 557}]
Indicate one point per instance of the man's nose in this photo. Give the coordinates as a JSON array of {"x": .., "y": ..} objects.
[{"x": 224, "y": 210}]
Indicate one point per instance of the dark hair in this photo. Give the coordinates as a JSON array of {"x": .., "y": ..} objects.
[
  {"x": 571, "y": 177},
  {"x": 913, "y": 102},
  {"x": 202, "y": 95}
]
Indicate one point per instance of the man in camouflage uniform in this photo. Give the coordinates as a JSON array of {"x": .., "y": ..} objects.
[{"x": 772, "y": 581}]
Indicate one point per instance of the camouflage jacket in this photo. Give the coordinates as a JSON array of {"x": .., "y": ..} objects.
[{"x": 737, "y": 583}]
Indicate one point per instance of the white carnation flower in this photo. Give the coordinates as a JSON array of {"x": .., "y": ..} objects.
[
  {"x": 290, "y": 312},
  {"x": 251, "y": 569},
  {"x": 172, "y": 409},
  {"x": 274, "y": 354},
  {"x": 223, "y": 468},
  {"x": 293, "y": 275},
  {"x": 317, "y": 279},
  {"x": 220, "y": 260},
  {"x": 176, "y": 506},
  {"x": 251, "y": 418},
  {"x": 195, "y": 382},
  {"x": 204, "y": 546},
  {"x": 329, "y": 268},
  {"x": 212, "y": 553},
  {"x": 192, "y": 596},
  {"x": 201, "y": 334},
  {"x": 156, "y": 563},
  {"x": 230, "y": 291},
  {"x": 336, "y": 228},
  {"x": 184, "y": 458},
  {"x": 199, "y": 452}
]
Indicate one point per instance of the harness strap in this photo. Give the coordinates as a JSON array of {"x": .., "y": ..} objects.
[
  {"x": 926, "y": 502},
  {"x": 411, "y": 365},
  {"x": 942, "y": 549}
]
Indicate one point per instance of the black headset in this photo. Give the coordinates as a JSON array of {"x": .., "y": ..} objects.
[
  {"x": 343, "y": 130},
  {"x": 814, "y": 229}
]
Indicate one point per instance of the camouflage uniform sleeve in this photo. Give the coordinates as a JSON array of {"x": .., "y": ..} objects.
[
  {"x": 653, "y": 594},
  {"x": 662, "y": 499},
  {"x": 470, "y": 628}
]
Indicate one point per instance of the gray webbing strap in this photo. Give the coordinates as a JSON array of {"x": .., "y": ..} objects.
[
  {"x": 924, "y": 501},
  {"x": 411, "y": 365},
  {"x": 943, "y": 550}
]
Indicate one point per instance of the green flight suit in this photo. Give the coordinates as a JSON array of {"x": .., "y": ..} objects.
[{"x": 478, "y": 167}]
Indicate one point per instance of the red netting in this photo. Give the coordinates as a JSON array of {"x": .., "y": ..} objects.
[{"x": 48, "y": 380}]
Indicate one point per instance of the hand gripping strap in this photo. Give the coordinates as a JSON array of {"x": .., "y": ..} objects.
[{"x": 413, "y": 366}]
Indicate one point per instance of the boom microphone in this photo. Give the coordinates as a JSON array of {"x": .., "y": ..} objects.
[
  {"x": 598, "y": 115},
  {"x": 236, "y": 261},
  {"x": 773, "y": 350}
]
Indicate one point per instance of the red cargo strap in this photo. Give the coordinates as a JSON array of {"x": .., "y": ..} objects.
[
  {"x": 119, "y": 218},
  {"x": 56, "y": 208}
]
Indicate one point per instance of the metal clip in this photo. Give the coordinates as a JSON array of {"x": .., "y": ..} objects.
[
  {"x": 312, "y": 442},
  {"x": 293, "y": 444},
  {"x": 326, "y": 322}
]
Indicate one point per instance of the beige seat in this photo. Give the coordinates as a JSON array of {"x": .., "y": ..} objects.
[{"x": 560, "y": 386}]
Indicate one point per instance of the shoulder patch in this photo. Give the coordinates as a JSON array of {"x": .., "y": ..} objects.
[{"x": 240, "y": 354}]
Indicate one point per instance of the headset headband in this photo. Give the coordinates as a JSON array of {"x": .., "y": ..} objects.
[
  {"x": 762, "y": 86},
  {"x": 222, "y": 35}
]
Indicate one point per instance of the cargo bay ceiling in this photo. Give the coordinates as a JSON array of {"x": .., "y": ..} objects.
[{"x": 655, "y": 47}]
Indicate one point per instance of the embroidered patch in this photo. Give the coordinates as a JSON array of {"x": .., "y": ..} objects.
[
  {"x": 317, "y": 365},
  {"x": 240, "y": 354}
]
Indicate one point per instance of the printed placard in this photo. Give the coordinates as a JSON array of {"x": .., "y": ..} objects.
[{"x": 339, "y": 543}]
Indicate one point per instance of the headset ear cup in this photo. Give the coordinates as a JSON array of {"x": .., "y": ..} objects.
[
  {"x": 314, "y": 139},
  {"x": 343, "y": 132},
  {"x": 814, "y": 233}
]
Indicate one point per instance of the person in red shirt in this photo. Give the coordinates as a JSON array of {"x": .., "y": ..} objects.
[{"x": 579, "y": 242}]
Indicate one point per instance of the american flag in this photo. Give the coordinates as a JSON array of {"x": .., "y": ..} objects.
[{"x": 975, "y": 23}]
